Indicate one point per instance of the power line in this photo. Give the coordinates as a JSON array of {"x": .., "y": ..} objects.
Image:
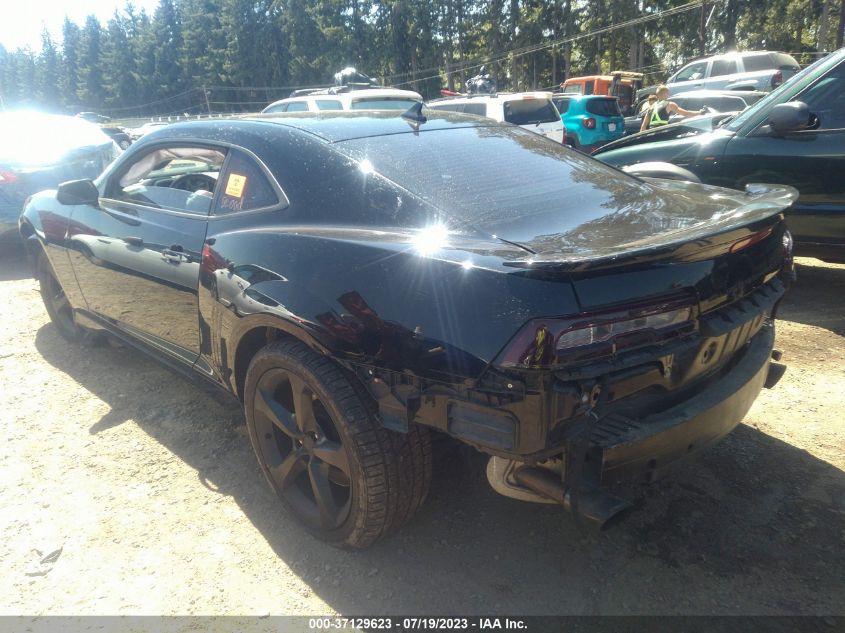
[
  {"x": 527, "y": 50},
  {"x": 151, "y": 103}
]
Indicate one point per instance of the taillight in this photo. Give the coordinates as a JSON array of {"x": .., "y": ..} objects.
[
  {"x": 777, "y": 79},
  {"x": 546, "y": 343},
  {"x": 589, "y": 123},
  {"x": 752, "y": 239},
  {"x": 7, "y": 177}
]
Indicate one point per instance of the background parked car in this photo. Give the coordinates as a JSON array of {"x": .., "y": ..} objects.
[
  {"x": 795, "y": 136},
  {"x": 534, "y": 111},
  {"x": 367, "y": 99},
  {"x": 119, "y": 135},
  {"x": 138, "y": 132},
  {"x": 620, "y": 83},
  {"x": 589, "y": 121},
  {"x": 751, "y": 70},
  {"x": 713, "y": 100},
  {"x": 38, "y": 151},
  {"x": 93, "y": 117}
]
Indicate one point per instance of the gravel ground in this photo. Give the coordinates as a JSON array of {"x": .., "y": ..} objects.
[{"x": 128, "y": 490}]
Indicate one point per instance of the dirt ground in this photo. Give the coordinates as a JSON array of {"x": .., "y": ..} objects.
[{"x": 125, "y": 489}]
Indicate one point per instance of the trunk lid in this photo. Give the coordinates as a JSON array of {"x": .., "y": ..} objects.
[{"x": 661, "y": 219}]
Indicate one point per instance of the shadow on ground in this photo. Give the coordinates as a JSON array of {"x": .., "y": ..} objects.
[
  {"x": 13, "y": 263},
  {"x": 817, "y": 297},
  {"x": 753, "y": 526}
]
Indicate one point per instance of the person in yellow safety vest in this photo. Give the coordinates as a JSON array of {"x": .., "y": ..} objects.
[{"x": 658, "y": 114}]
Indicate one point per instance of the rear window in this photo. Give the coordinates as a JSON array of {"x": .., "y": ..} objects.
[
  {"x": 382, "y": 104},
  {"x": 786, "y": 62},
  {"x": 754, "y": 63},
  {"x": 530, "y": 111},
  {"x": 603, "y": 107},
  {"x": 478, "y": 174}
]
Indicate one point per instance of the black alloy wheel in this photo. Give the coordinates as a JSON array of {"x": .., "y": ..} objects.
[
  {"x": 316, "y": 433},
  {"x": 56, "y": 302},
  {"x": 302, "y": 449}
]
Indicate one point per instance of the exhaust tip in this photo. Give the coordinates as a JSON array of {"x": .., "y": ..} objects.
[
  {"x": 597, "y": 508},
  {"x": 602, "y": 510}
]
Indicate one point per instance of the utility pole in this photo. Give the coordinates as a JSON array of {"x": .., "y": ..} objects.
[
  {"x": 702, "y": 30},
  {"x": 207, "y": 104},
  {"x": 840, "y": 32}
]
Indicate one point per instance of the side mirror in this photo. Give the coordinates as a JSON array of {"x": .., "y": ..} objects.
[
  {"x": 789, "y": 117},
  {"x": 75, "y": 192}
]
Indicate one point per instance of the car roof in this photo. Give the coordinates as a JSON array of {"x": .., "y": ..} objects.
[
  {"x": 331, "y": 126},
  {"x": 577, "y": 96},
  {"x": 718, "y": 93},
  {"x": 369, "y": 93},
  {"x": 499, "y": 96}
]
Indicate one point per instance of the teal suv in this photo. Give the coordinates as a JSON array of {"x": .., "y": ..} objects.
[{"x": 590, "y": 121}]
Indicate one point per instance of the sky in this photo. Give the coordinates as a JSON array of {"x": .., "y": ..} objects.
[{"x": 23, "y": 20}]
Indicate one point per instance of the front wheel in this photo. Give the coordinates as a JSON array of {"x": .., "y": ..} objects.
[{"x": 322, "y": 449}]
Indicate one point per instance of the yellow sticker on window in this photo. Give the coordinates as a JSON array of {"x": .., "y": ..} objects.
[{"x": 235, "y": 185}]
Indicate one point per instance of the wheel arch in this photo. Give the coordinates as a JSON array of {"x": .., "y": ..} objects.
[{"x": 253, "y": 334}]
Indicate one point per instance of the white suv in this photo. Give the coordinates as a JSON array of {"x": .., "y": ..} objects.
[
  {"x": 531, "y": 110},
  {"x": 367, "y": 99}
]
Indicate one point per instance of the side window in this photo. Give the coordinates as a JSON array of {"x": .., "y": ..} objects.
[
  {"x": 723, "y": 67},
  {"x": 562, "y": 105},
  {"x": 279, "y": 108},
  {"x": 329, "y": 104},
  {"x": 692, "y": 72},
  {"x": 449, "y": 107},
  {"x": 755, "y": 63},
  {"x": 826, "y": 99},
  {"x": 245, "y": 186},
  {"x": 588, "y": 87},
  {"x": 479, "y": 109},
  {"x": 173, "y": 178},
  {"x": 297, "y": 106}
]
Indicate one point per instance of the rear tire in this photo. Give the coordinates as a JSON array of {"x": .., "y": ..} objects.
[
  {"x": 318, "y": 441},
  {"x": 56, "y": 302}
]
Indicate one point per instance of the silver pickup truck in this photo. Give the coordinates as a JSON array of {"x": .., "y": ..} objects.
[{"x": 752, "y": 70}]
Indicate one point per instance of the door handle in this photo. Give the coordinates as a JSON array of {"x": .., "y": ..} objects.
[
  {"x": 133, "y": 241},
  {"x": 175, "y": 254}
]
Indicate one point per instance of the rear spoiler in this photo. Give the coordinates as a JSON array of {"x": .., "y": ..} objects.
[{"x": 764, "y": 202}]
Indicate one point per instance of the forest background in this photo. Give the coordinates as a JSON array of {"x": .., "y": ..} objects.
[{"x": 204, "y": 56}]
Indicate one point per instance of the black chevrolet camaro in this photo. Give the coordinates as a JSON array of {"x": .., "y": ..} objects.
[{"x": 362, "y": 280}]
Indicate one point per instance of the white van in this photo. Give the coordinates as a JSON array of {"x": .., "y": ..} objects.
[
  {"x": 531, "y": 110},
  {"x": 367, "y": 99}
]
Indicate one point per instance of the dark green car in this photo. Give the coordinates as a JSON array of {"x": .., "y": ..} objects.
[{"x": 795, "y": 136}]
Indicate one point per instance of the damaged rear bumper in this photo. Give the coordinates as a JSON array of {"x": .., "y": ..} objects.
[{"x": 631, "y": 449}]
